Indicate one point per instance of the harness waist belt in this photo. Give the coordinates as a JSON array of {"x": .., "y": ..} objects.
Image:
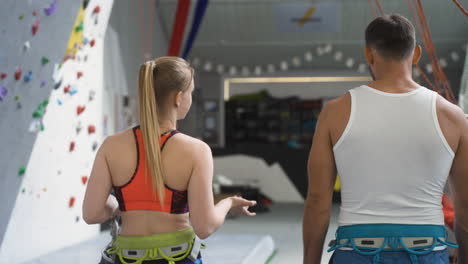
[
  {"x": 172, "y": 247},
  {"x": 371, "y": 239}
]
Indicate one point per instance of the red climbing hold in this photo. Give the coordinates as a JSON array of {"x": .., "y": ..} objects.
[
  {"x": 92, "y": 42},
  {"x": 72, "y": 146},
  {"x": 3, "y": 75},
  {"x": 34, "y": 13},
  {"x": 91, "y": 129},
  {"x": 84, "y": 179},
  {"x": 96, "y": 10},
  {"x": 35, "y": 27},
  {"x": 79, "y": 75},
  {"x": 80, "y": 109},
  {"x": 66, "y": 89},
  {"x": 71, "y": 202},
  {"x": 18, "y": 73}
]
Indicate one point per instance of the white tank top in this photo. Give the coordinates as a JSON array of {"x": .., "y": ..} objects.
[{"x": 392, "y": 159}]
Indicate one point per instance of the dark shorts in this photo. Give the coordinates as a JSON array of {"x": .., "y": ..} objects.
[{"x": 389, "y": 257}]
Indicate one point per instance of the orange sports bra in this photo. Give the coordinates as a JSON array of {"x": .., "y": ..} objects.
[{"x": 136, "y": 194}]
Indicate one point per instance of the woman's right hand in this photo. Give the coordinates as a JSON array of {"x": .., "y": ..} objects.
[{"x": 240, "y": 206}]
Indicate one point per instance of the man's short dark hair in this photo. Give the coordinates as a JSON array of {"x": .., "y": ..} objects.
[{"x": 393, "y": 36}]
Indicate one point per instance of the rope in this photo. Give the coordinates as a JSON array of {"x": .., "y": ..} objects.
[
  {"x": 461, "y": 7},
  {"x": 379, "y": 6},
  {"x": 372, "y": 8}
]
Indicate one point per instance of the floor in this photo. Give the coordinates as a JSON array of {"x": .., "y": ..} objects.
[{"x": 283, "y": 224}]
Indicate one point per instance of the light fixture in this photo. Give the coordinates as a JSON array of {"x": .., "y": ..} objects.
[
  {"x": 350, "y": 62},
  {"x": 258, "y": 70},
  {"x": 271, "y": 68},
  {"x": 220, "y": 68},
  {"x": 296, "y": 61},
  {"x": 308, "y": 56},
  {"x": 284, "y": 66},
  {"x": 232, "y": 70},
  {"x": 338, "y": 56},
  {"x": 208, "y": 66}
]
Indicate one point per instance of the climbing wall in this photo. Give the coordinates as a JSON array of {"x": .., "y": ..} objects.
[{"x": 52, "y": 123}]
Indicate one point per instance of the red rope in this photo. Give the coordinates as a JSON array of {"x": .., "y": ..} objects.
[
  {"x": 177, "y": 36},
  {"x": 380, "y": 7},
  {"x": 372, "y": 8},
  {"x": 439, "y": 74},
  {"x": 427, "y": 79},
  {"x": 461, "y": 7}
]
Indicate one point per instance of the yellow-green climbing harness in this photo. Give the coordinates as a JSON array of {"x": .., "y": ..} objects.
[{"x": 153, "y": 245}]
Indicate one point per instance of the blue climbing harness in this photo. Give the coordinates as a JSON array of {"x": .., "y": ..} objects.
[{"x": 371, "y": 239}]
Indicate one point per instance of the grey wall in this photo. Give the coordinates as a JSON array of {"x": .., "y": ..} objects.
[
  {"x": 126, "y": 21},
  {"x": 51, "y": 39}
]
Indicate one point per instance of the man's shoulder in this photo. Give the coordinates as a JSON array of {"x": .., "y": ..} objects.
[
  {"x": 338, "y": 105},
  {"x": 450, "y": 111}
]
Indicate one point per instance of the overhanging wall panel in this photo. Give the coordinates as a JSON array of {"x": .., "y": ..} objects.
[{"x": 50, "y": 41}]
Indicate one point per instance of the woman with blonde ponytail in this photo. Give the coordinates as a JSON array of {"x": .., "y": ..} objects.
[{"x": 157, "y": 174}]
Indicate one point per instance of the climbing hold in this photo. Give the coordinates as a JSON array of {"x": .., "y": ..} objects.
[
  {"x": 26, "y": 45},
  {"x": 3, "y": 92},
  {"x": 58, "y": 84},
  {"x": 71, "y": 202},
  {"x": 77, "y": 219},
  {"x": 79, "y": 27},
  {"x": 23, "y": 190},
  {"x": 28, "y": 76},
  {"x": 44, "y": 189},
  {"x": 66, "y": 89},
  {"x": 72, "y": 146},
  {"x": 34, "y": 13},
  {"x": 85, "y": 41},
  {"x": 59, "y": 102},
  {"x": 86, "y": 58},
  {"x": 91, "y": 129},
  {"x": 78, "y": 127},
  {"x": 92, "y": 93},
  {"x": 3, "y": 75},
  {"x": 41, "y": 109},
  {"x": 73, "y": 91},
  {"x": 22, "y": 171},
  {"x": 17, "y": 97},
  {"x": 44, "y": 60},
  {"x": 18, "y": 73},
  {"x": 43, "y": 83},
  {"x": 20, "y": 17},
  {"x": 18, "y": 105},
  {"x": 95, "y": 145},
  {"x": 84, "y": 179},
  {"x": 80, "y": 109},
  {"x": 51, "y": 8},
  {"x": 96, "y": 10},
  {"x": 92, "y": 43},
  {"x": 35, "y": 27},
  {"x": 79, "y": 75}
]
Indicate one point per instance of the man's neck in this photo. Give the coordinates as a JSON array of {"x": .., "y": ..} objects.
[{"x": 394, "y": 77}]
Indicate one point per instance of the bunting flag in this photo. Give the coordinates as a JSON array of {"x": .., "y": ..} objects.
[
  {"x": 177, "y": 36},
  {"x": 197, "y": 20}
]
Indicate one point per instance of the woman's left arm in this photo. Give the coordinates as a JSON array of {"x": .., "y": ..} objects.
[{"x": 98, "y": 204}]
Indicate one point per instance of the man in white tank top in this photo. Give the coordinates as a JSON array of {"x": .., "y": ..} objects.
[{"x": 394, "y": 144}]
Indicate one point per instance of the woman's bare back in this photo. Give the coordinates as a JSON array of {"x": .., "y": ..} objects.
[{"x": 177, "y": 164}]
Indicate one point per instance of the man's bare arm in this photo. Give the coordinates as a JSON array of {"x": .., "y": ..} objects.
[{"x": 322, "y": 175}]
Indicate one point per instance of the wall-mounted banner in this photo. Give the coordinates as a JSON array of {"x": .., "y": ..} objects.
[{"x": 308, "y": 17}]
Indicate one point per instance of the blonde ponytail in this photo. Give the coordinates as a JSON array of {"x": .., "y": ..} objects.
[
  {"x": 149, "y": 126},
  {"x": 157, "y": 81}
]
